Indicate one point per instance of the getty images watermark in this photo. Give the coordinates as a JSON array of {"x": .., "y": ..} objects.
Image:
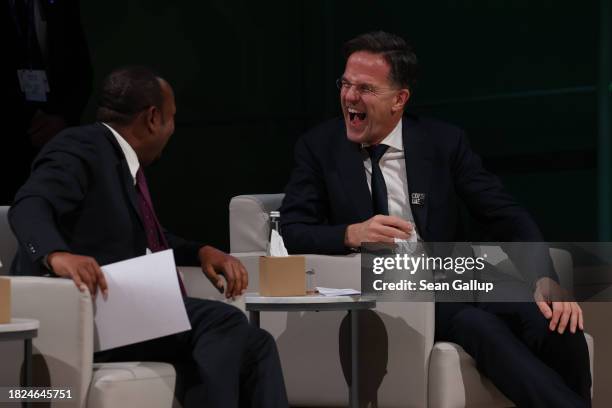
[
  {"x": 487, "y": 272},
  {"x": 411, "y": 264}
]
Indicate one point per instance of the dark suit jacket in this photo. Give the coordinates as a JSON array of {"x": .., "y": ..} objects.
[
  {"x": 328, "y": 189},
  {"x": 81, "y": 198}
]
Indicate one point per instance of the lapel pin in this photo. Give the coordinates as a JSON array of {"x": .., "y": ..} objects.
[{"x": 417, "y": 198}]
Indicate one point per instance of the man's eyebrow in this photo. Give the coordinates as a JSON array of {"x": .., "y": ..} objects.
[{"x": 357, "y": 83}]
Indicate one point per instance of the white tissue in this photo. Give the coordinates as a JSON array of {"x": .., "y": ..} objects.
[
  {"x": 276, "y": 247},
  {"x": 407, "y": 246},
  {"x": 413, "y": 238}
]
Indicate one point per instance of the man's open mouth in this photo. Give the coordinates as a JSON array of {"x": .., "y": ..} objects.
[{"x": 353, "y": 113}]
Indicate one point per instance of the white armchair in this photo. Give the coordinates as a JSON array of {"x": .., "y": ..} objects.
[
  {"x": 403, "y": 367},
  {"x": 63, "y": 350},
  {"x": 395, "y": 342}
]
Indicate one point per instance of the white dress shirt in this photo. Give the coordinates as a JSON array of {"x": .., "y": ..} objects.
[
  {"x": 128, "y": 152},
  {"x": 130, "y": 157}
]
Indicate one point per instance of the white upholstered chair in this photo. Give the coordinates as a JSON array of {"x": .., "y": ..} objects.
[
  {"x": 63, "y": 350},
  {"x": 403, "y": 366}
]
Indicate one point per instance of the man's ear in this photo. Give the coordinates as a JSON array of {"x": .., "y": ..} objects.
[
  {"x": 152, "y": 118},
  {"x": 401, "y": 99}
]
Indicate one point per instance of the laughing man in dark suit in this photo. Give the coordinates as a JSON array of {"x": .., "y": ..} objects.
[{"x": 377, "y": 175}]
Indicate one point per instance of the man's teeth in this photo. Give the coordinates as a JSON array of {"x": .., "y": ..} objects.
[{"x": 352, "y": 113}]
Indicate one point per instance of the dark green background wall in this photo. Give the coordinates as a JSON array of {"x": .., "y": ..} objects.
[{"x": 250, "y": 77}]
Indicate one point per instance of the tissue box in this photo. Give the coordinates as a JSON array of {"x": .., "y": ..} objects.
[
  {"x": 282, "y": 276},
  {"x": 5, "y": 300}
]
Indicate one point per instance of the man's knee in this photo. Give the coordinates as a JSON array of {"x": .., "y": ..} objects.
[
  {"x": 261, "y": 339},
  {"x": 570, "y": 344},
  {"x": 211, "y": 313},
  {"x": 234, "y": 314}
]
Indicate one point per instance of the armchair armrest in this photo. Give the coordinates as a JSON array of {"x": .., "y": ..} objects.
[
  {"x": 561, "y": 259},
  {"x": 65, "y": 336},
  {"x": 197, "y": 285}
]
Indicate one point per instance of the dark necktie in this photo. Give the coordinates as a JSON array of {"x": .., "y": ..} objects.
[
  {"x": 156, "y": 240},
  {"x": 380, "y": 204}
]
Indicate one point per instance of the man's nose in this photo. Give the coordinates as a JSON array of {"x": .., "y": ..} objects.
[{"x": 351, "y": 94}]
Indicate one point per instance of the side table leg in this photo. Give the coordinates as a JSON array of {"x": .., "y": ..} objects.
[
  {"x": 27, "y": 370},
  {"x": 354, "y": 386},
  {"x": 254, "y": 318}
]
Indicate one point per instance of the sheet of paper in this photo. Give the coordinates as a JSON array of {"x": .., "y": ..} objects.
[
  {"x": 144, "y": 302},
  {"x": 338, "y": 292}
]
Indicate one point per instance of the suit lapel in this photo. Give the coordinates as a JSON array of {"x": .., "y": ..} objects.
[
  {"x": 418, "y": 152},
  {"x": 123, "y": 171},
  {"x": 352, "y": 174}
]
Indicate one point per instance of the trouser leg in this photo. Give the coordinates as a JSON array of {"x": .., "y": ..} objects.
[
  {"x": 238, "y": 363},
  {"x": 225, "y": 350},
  {"x": 503, "y": 357},
  {"x": 261, "y": 377},
  {"x": 567, "y": 354}
]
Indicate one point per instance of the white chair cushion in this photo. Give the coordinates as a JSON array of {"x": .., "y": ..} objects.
[{"x": 132, "y": 384}]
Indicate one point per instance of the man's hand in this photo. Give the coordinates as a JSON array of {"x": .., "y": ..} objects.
[
  {"x": 380, "y": 228},
  {"x": 551, "y": 300},
  {"x": 44, "y": 126},
  {"x": 215, "y": 263},
  {"x": 83, "y": 270}
]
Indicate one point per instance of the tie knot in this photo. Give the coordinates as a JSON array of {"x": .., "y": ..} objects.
[{"x": 376, "y": 152}]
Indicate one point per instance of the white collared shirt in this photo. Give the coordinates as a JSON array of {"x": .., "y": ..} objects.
[
  {"x": 128, "y": 152},
  {"x": 393, "y": 167},
  {"x": 130, "y": 157}
]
